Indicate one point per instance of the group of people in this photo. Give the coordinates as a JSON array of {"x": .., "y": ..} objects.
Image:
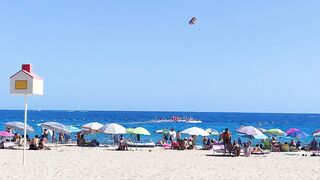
[
  {"x": 38, "y": 143},
  {"x": 81, "y": 141}
]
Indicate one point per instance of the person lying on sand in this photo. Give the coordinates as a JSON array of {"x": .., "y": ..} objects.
[{"x": 257, "y": 150}]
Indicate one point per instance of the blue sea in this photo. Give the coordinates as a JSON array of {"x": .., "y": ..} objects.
[{"x": 215, "y": 120}]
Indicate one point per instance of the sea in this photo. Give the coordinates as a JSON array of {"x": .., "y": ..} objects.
[{"x": 131, "y": 119}]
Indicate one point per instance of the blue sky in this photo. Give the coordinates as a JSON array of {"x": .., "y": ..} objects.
[{"x": 245, "y": 56}]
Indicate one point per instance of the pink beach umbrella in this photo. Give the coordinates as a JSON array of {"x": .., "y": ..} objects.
[
  {"x": 316, "y": 133},
  {"x": 291, "y": 130},
  {"x": 6, "y": 134}
]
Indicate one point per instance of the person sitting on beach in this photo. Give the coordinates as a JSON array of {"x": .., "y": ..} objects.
[
  {"x": 236, "y": 148},
  {"x": 275, "y": 147},
  {"x": 82, "y": 141},
  {"x": 123, "y": 146},
  {"x": 45, "y": 133},
  {"x": 34, "y": 143},
  {"x": 175, "y": 145},
  {"x": 246, "y": 150},
  {"x": 208, "y": 145},
  {"x": 292, "y": 143},
  {"x": 190, "y": 144},
  {"x": 16, "y": 138},
  {"x": 185, "y": 143},
  {"x": 204, "y": 141},
  {"x": 2, "y": 145},
  {"x": 45, "y": 140},
  {"x": 61, "y": 138},
  {"x": 313, "y": 145},
  {"x": 28, "y": 138},
  {"x": 41, "y": 145},
  {"x": 299, "y": 145}
]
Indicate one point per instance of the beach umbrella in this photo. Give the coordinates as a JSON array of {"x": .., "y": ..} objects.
[
  {"x": 54, "y": 126},
  {"x": 297, "y": 134},
  {"x": 130, "y": 130},
  {"x": 260, "y": 136},
  {"x": 73, "y": 129},
  {"x": 6, "y": 134},
  {"x": 262, "y": 130},
  {"x": 212, "y": 132},
  {"x": 92, "y": 127},
  {"x": 141, "y": 130},
  {"x": 316, "y": 133},
  {"x": 18, "y": 126},
  {"x": 113, "y": 128},
  {"x": 195, "y": 131},
  {"x": 291, "y": 130},
  {"x": 249, "y": 130},
  {"x": 277, "y": 132}
]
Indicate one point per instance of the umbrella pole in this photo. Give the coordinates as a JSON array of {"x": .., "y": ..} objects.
[{"x": 25, "y": 128}]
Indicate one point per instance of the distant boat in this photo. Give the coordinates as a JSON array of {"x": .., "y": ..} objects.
[{"x": 176, "y": 119}]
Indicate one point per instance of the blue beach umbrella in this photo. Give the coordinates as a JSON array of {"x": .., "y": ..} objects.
[{"x": 260, "y": 136}]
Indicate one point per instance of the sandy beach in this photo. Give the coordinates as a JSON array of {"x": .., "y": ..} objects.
[{"x": 65, "y": 162}]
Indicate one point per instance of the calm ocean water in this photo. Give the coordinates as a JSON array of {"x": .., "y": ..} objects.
[{"x": 219, "y": 121}]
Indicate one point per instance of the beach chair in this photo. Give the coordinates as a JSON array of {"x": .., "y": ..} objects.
[
  {"x": 10, "y": 145},
  {"x": 218, "y": 148}
]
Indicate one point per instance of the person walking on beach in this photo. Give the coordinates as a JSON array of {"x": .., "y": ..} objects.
[{"x": 226, "y": 138}]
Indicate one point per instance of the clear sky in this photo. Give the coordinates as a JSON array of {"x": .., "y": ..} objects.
[{"x": 244, "y": 56}]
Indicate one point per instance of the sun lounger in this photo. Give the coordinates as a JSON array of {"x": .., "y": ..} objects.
[
  {"x": 9, "y": 145},
  {"x": 218, "y": 148}
]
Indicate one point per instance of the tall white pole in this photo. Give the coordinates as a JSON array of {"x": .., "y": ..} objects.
[{"x": 25, "y": 128}]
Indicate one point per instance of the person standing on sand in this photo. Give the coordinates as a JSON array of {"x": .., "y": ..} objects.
[
  {"x": 173, "y": 134},
  {"x": 226, "y": 138}
]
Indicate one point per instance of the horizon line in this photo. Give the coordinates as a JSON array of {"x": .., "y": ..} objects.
[{"x": 166, "y": 111}]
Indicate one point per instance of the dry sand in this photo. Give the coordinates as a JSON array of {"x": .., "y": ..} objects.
[{"x": 100, "y": 163}]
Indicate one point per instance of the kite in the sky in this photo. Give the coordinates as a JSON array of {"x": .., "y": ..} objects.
[{"x": 193, "y": 21}]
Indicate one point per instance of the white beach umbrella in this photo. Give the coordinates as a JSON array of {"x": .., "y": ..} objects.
[
  {"x": 212, "y": 132},
  {"x": 249, "y": 130},
  {"x": 195, "y": 131},
  {"x": 113, "y": 128},
  {"x": 54, "y": 126},
  {"x": 18, "y": 126},
  {"x": 92, "y": 127}
]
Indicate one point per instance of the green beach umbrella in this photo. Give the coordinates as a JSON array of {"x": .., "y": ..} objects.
[
  {"x": 141, "y": 130},
  {"x": 275, "y": 131},
  {"x": 130, "y": 130}
]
